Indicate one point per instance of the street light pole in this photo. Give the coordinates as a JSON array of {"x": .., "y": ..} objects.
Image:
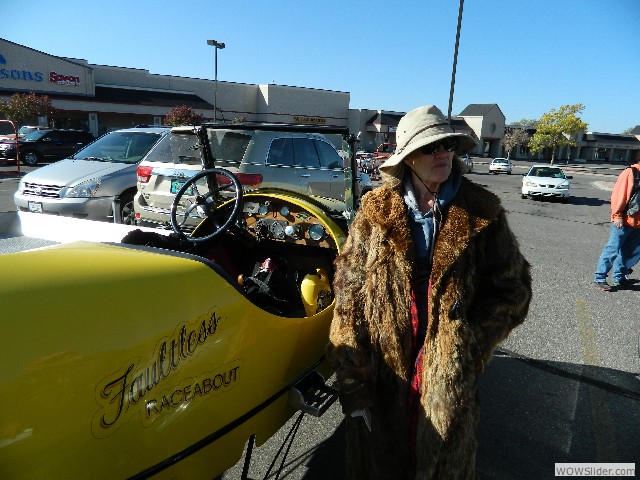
[{"x": 217, "y": 45}]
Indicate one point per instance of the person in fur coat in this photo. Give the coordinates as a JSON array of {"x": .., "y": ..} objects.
[{"x": 430, "y": 279}]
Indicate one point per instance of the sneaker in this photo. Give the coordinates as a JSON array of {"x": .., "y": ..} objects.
[
  {"x": 604, "y": 286},
  {"x": 622, "y": 283}
]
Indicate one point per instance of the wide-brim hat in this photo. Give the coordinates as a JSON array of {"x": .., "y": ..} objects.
[{"x": 420, "y": 127}]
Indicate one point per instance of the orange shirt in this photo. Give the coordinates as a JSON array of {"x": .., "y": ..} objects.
[{"x": 620, "y": 197}]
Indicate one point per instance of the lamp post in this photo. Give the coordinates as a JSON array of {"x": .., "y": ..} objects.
[{"x": 217, "y": 45}]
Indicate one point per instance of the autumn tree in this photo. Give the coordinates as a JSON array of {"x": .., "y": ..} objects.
[
  {"x": 513, "y": 137},
  {"x": 183, "y": 115},
  {"x": 27, "y": 106},
  {"x": 557, "y": 129}
]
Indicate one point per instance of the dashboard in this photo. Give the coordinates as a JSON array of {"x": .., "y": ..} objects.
[{"x": 279, "y": 220}]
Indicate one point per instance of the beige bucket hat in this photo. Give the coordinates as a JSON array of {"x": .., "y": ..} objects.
[{"x": 420, "y": 127}]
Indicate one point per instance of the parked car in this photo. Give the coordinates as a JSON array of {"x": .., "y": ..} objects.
[
  {"x": 46, "y": 145},
  {"x": 500, "y": 165},
  {"x": 22, "y": 131},
  {"x": 467, "y": 163},
  {"x": 546, "y": 181},
  {"x": 264, "y": 156},
  {"x": 97, "y": 183}
]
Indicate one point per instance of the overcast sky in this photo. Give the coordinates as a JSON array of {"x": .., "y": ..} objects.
[{"x": 527, "y": 56}]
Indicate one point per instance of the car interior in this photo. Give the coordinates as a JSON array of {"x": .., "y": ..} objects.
[{"x": 268, "y": 251}]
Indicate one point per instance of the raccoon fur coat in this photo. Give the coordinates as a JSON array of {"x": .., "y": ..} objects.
[{"x": 480, "y": 289}]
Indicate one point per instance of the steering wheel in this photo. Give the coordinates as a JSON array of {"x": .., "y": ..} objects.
[{"x": 206, "y": 206}]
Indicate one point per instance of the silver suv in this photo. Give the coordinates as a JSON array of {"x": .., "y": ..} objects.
[
  {"x": 262, "y": 156},
  {"x": 97, "y": 183}
]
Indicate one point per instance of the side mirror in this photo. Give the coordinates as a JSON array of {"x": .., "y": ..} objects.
[{"x": 569, "y": 177}]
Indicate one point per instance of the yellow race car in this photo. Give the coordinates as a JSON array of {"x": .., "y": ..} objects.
[{"x": 160, "y": 355}]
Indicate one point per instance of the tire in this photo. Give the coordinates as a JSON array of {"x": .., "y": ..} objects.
[
  {"x": 30, "y": 158},
  {"x": 127, "y": 214},
  {"x": 524, "y": 196}
]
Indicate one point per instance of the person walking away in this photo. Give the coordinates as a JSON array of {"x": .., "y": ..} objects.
[
  {"x": 622, "y": 247},
  {"x": 429, "y": 280}
]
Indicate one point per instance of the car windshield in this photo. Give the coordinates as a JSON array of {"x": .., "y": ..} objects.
[
  {"x": 23, "y": 131},
  {"x": 120, "y": 147},
  {"x": 546, "y": 172},
  {"x": 34, "y": 136},
  {"x": 500, "y": 160}
]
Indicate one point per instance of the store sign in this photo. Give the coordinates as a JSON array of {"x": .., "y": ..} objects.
[
  {"x": 61, "y": 79},
  {"x": 7, "y": 73},
  {"x": 313, "y": 120}
]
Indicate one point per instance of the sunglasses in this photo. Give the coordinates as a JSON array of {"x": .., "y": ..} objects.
[{"x": 449, "y": 145}]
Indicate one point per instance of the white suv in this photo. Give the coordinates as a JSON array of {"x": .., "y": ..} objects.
[{"x": 265, "y": 156}]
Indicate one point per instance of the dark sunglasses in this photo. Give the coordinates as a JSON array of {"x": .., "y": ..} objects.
[{"x": 449, "y": 144}]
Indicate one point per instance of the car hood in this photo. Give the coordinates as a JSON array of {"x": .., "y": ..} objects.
[
  {"x": 546, "y": 180},
  {"x": 71, "y": 172}
]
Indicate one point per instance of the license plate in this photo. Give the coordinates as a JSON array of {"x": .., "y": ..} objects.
[
  {"x": 176, "y": 185},
  {"x": 35, "y": 207}
]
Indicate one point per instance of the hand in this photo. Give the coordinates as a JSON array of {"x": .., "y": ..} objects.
[
  {"x": 355, "y": 388},
  {"x": 617, "y": 222}
]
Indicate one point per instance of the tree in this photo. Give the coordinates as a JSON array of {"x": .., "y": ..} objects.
[
  {"x": 525, "y": 122},
  {"x": 557, "y": 129},
  {"x": 27, "y": 106},
  {"x": 183, "y": 115},
  {"x": 512, "y": 138}
]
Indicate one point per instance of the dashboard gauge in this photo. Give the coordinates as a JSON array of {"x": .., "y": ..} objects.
[
  {"x": 263, "y": 209},
  {"x": 284, "y": 211},
  {"x": 292, "y": 231},
  {"x": 277, "y": 229},
  {"x": 316, "y": 232}
]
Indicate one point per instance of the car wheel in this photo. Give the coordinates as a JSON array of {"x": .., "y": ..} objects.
[
  {"x": 30, "y": 158},
  {"x": 126, "y": 209},
  {"x": 524, "y": 196}
]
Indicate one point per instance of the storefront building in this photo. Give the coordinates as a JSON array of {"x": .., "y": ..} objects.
[{"x": 100, "y": 98}]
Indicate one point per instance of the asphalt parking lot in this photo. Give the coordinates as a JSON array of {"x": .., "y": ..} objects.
[{"x": 563, "y": 388}]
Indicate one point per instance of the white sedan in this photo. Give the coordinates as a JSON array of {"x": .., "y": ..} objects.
[
  {"x": 499, "y": 165},
  {"x": 546, "y": 181}
]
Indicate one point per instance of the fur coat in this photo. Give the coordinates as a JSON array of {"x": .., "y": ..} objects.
[{"x": 480, "y": 289}]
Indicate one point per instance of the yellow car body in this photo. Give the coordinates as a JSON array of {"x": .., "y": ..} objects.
[{"x": 123, "y": 361}]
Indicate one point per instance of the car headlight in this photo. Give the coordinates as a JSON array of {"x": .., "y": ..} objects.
[
  {"x": 529, "y": 183},
  {"x": 86, "y": 189},
  {"x": 564, "y": 185}
]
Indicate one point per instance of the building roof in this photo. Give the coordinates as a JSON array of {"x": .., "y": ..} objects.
[
  {"x": 629, "y": 140},
  {"x": 383, "y": 118},
  {"x": 478, "y": 109}
]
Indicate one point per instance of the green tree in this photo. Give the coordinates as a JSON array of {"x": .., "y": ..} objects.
[
  {"x": 512, "y": 138},
  {"x": 183, "y": 115},
  {"x": 525, "y": 122},
  {"x": 27, "y": 106},
  {"x": 557, "y": 129}
]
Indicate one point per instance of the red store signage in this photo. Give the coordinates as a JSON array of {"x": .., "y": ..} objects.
[{"x": 60, "y": 79}]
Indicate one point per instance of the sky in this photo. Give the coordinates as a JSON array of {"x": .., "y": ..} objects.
[{"x": 526, "y": 56}]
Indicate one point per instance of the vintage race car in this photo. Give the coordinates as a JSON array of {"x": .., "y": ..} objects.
[{"x": 160, "y": 355}]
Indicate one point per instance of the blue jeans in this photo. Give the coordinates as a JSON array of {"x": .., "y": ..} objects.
[{"x": 621, "y": 252}]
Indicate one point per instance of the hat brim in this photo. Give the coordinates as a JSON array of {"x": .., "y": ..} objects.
[{"x": 467, "y": 143}]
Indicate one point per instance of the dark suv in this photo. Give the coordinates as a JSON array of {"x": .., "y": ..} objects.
[{"x": 49, "y": 145}]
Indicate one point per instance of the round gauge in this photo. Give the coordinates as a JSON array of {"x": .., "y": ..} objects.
[
  {"x": 284, "y": 211},
  {"x": 263, "y": 209},
  {"x": 292, "y": 231},
  {"x": 316, "y": 232},
  {"x": 277, "y": 229}
]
